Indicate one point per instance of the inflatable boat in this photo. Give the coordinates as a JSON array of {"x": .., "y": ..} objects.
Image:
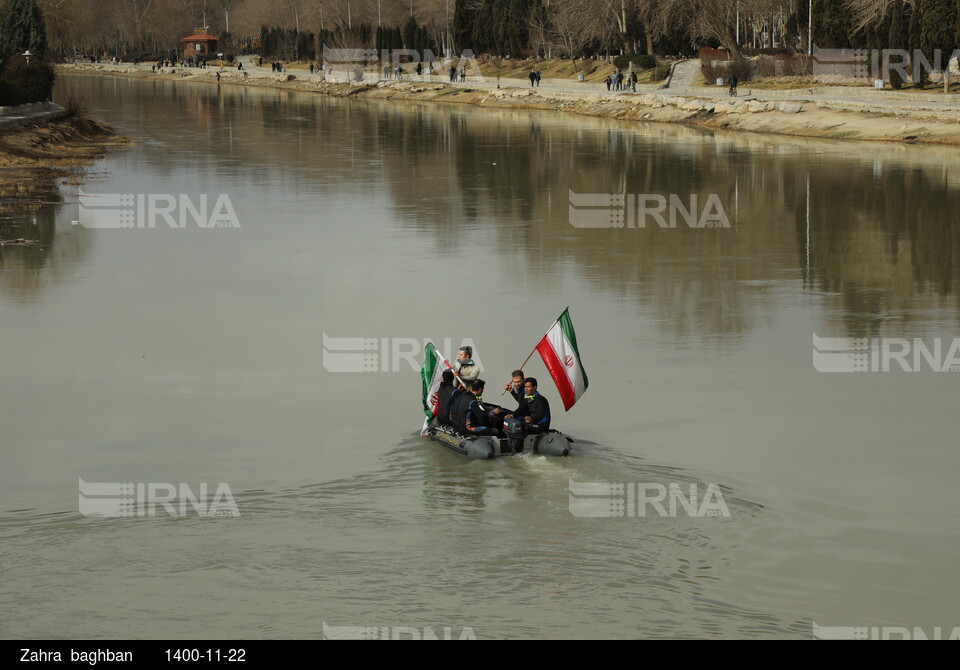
[{"x": 551, "y": 443}]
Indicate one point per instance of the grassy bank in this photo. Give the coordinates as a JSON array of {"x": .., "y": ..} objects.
[{"x": 35, "y": 156}]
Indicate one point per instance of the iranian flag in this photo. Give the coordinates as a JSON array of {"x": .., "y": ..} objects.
[
  {"x": 431, "y": 374},
  {"x": 558, "y": 349}
]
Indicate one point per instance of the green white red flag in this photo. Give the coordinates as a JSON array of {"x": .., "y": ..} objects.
[
  {"x": 559, "y": 352},
  {"x": 431, "y": 374}
]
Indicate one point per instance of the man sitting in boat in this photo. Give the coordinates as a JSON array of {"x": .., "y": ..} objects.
[
  {"x": 477, "y": 418},
  {"x": 456, "y": 399},
  {"x": 465, "y": 366},
  {"x": 444, "y": 396},
  {"x": 535, "y": 410}
]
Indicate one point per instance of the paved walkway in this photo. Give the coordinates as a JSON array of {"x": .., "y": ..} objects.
[
  {"x": 684, "y": 83},
  {"x": 33, "y": 112}
]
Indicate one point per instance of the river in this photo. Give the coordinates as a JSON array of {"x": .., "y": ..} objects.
[{"x": 197, "y": 356}]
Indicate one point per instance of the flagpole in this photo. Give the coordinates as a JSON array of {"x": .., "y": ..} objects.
[{"x": 538, "y": 344}]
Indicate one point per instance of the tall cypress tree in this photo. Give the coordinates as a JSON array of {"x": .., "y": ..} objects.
[
  {"x": 899, "y": 36},
  {"x": 463, "y": 17},
  {"x": 831, "y": 24},
  {"x": 409, "y": 33},
  {"x": 937, "y": 30},
  {"x": 914, "y": 32},
  {"x": 22, "y": 28}
]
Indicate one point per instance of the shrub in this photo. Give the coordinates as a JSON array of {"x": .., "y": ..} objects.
[
  {"x": 34, "y": 81},
  {"x": 75, "y": 105},
  {"x": 709, "y": 54},
  {"x": 792, "y": 65},
  {"x": 743, "y": 69},
  {"x": 11, "y": 95},
  {"x": 661, "y": 71},
  {"x": 639, "y": 62}
]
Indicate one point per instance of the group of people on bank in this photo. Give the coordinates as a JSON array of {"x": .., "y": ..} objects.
[
  {"x": 621, "y": 82},
  {"x": 460, "y": 405}
]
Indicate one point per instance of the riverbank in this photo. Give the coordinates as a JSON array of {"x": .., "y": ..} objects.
[
  {"x": 35, "y": 155},
  {"x": 877, "y": 120}
]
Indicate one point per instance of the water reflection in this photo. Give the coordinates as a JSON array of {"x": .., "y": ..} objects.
[
  {"x": 56, "y": 248},
  {"x": 872, "y": 226}
]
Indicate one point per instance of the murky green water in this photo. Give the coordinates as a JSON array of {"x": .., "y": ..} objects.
[{"x": 196, "y": 355}]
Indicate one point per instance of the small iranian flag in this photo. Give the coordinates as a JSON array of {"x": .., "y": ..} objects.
[
  {"x": 558, "y": 348},
  {"x": 431, "y": 374}
]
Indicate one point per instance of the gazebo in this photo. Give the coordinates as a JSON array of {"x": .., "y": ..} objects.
[{"x": 199, "y": 44}]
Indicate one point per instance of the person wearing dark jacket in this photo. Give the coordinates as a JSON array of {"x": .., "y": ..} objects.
[
  {"x": 444, "y": 396},
  {"x": 457, "y": 399},
  {"x": 536, "y": 410},
  {"x": 479, "y": 419}
]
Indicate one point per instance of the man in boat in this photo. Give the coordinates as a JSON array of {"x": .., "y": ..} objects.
[
  {"x": 477, "y": 418},
  {"x": 466, "y": 368},
  {"x": 535, "y": 410},
  {"x": 456, "y": 399},
  {"x": 444, "y": 396},
  {"x": 516, "y": 386}
]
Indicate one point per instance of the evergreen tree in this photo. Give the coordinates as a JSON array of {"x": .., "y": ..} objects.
[
  {"x": 899, "y": 36},
  {"x": 914, "y": 32},
  {"x": 22, "y": 28},
  {"x": 410, "y": 33},
  {"x": 937, "y": 31},
  {"x": 483, "y": 35},
  {"x": 831, "y": 24},
  {"x": 463, "y": 18}
]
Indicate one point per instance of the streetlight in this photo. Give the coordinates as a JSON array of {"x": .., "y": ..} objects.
[{"x": 26, "y": 54}]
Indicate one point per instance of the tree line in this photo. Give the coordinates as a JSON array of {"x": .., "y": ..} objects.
[{"x": 503, "y": 28}]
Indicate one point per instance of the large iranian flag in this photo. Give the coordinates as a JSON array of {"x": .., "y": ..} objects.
[
  {"x": 431, "y": 375},
  {"x": 558, "y": 348}
]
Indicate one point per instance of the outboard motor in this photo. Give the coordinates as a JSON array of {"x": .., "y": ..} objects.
[{"x": 515, "y": 430}]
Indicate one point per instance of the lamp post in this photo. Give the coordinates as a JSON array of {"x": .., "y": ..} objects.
[{"x": 26, "y": 54}]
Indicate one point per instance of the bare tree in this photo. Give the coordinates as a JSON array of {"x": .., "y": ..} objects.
[{"x": 573, "y": 25}]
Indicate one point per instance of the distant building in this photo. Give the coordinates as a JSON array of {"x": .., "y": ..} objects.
[{"x": 199, "y": 44}]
